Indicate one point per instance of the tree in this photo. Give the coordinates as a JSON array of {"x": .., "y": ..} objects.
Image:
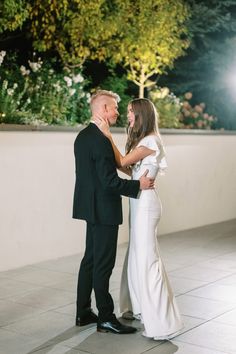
[
  {"x": 76, "y": 29},
  {"x": 13, "y": 17},
  {"x": 146, "y": 36},
  {"x": 152, "y": 35},
  {"x": 212, "y": 27},
  {"x": 13, "y": 14}
]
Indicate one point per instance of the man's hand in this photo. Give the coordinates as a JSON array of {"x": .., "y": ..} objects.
[{"x": 146, "y": 182}]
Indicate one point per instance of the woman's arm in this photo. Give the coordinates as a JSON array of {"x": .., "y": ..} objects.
[
  {"x": 127, "y": 170},
  {"x": 132, "y": 157},
  {"x": 108, "y": 177}
]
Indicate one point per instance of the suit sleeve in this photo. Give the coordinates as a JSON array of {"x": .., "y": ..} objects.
[{"x": 107, "y": 173}]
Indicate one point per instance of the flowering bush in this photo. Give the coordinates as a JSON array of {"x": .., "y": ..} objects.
[
  {"x": 195, "y": 117},
  {"x": 168, "y": 107},
  {"x": 178, "y": 112},
  {"x": 38, "y": 94}
]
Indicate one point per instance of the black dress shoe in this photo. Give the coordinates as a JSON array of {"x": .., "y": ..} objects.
[
  {"x": 89, "y": 318},
  {"x": 114, "y": 326}
]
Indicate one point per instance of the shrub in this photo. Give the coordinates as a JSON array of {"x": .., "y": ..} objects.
[
  {"x": 41, "y": 93},
  {"x": 195, "y": 117},
  {"x": 168, "y": 107}
]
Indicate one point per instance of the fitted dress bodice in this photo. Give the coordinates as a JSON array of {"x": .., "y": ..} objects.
[{"x": 155, "y": 162}]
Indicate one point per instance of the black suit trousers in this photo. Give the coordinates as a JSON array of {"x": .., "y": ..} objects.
[{"x": 96, "y": 268}]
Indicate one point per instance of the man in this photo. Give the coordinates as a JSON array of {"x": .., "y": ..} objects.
[{"x": 97, "y": 199}]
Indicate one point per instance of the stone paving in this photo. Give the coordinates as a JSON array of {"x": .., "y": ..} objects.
[{"x": 37, "y": 302}]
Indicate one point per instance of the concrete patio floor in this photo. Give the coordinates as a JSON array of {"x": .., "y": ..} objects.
[{"x": 37, "y": 302}]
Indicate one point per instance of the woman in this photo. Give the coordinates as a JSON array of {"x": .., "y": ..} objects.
[{"x": 150, "y": 293}]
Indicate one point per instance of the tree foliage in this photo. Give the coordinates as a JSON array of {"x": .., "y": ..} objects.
[
  {"x": 153, "y": 34},
  {"x": 76, "y": 29},
  {"x": 212, "y": 27},
  {"x": 146, "y": 36},
  {"x": 13, "y": 14}
]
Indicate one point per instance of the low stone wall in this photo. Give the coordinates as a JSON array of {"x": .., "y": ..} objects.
[{"x": 37, "y": 182}]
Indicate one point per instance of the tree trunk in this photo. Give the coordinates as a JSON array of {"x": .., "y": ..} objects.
[
  {"x": 142, "y": 83},
  {"x": 141, "y": 91}
]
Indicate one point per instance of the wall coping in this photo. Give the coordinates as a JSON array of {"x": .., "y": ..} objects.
[{"x": 118, "y": 130}]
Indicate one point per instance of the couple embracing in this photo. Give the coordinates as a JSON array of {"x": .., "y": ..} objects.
[{"x": 145, "y": 290}]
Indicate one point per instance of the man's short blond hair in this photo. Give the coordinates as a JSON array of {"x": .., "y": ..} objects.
[{"x": 106, "y": 93}]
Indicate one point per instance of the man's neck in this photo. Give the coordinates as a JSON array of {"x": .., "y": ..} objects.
[{"x": 92, "y": 121}]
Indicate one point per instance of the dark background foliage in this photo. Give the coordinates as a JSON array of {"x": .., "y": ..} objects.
[{"x": 207, "y": 69}]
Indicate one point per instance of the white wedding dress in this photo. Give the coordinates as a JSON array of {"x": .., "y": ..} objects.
[{"x": 151, "y": 297}]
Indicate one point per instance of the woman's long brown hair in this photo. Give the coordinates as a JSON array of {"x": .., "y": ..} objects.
[{"x": 145, "y": 122}]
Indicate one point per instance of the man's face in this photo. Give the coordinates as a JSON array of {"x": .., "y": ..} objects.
[{"x": 111, "y": 110}]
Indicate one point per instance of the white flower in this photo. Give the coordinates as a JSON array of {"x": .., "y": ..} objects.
[
  {"x": 5, "y": 84},
  {"x": 78, "y": 78},
  {"x": 68, "y": 81},
  {"x": 15, "y": 85},
  {"x": 10, "y": 92},
  {"x": 3, "y": 53},
  {"x": 57, "y": 86},
  {"x": 23, "y": 71},
  {"x": 35, "y": 66},
  {"x": 72, "y": 91},
  {"x": 28, "y": 100},
  {"x": 88, "y": 97}
]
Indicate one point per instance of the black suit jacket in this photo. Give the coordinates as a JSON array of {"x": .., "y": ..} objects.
[{"x": 98, "y": 188}]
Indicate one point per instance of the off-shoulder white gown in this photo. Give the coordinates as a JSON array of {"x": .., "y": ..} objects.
[{"x": 151, "y": 297}]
